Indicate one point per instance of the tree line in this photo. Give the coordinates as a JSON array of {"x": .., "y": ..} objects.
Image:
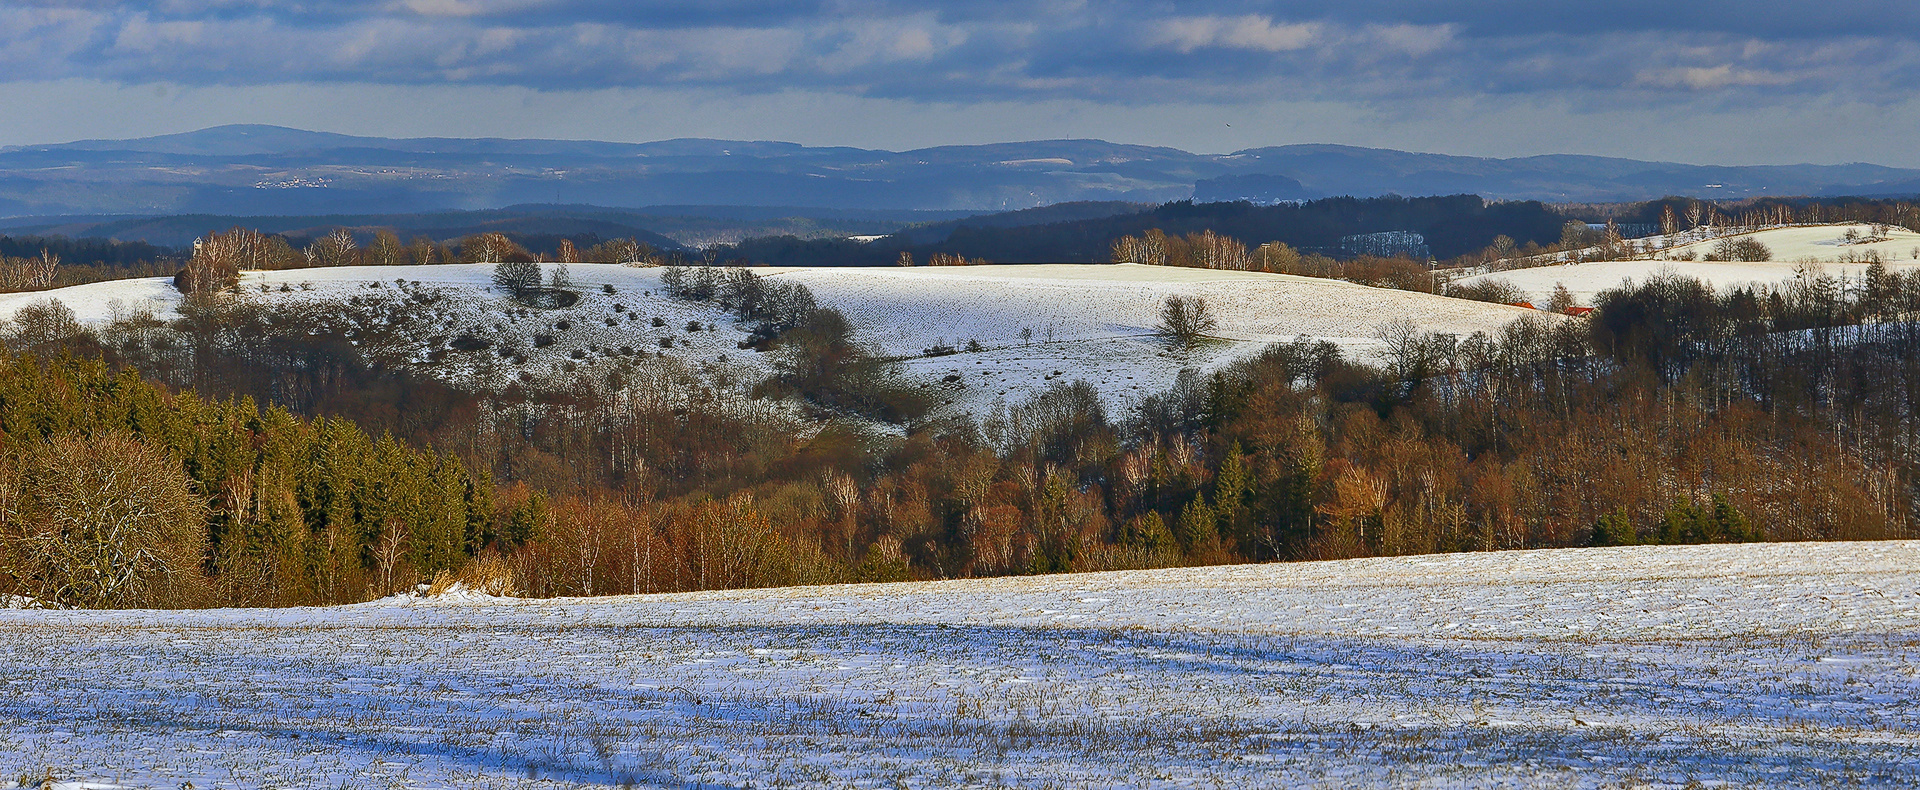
[{"x": 1453, "y": 226}]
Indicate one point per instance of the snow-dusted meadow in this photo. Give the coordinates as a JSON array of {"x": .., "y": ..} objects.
[
  {"x": 1796, "y": 250},
  {"x": 1755, "y": 665},
  {"x": 1035, "y": 324}
]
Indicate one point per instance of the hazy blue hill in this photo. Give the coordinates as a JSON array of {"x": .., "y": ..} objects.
[{"x": 268, "y": 170}]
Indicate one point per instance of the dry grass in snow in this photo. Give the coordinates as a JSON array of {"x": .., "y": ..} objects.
[{"x": 1756, "y": 665}]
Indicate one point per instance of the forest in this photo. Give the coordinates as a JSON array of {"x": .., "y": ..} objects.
[
  {"x": 241, "y": 455},
  {"x": 247, "y": 455}
]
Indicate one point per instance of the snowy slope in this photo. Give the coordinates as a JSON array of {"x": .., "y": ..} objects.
[
  {"x": 1816, "y": 248},
  {"x": 1037, "y": 323},
  {"x": 1760, "y": 665},
  {"x": 1819, "y": 243}
]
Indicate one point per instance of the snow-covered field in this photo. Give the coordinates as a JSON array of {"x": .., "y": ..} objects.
[
  {"x": 1816, "y": 248},
  {"x": 1758, "y": 665},
  {"x": 1037, "y": 324}
]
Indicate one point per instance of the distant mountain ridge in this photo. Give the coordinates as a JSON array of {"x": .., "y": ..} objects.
[{"x": 267, "y": 170}]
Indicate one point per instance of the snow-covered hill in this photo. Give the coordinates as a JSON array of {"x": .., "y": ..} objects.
[
  {"x": 1035, "y": 324},
  {"x": 1796, "y": 249},
  {"x": 1778, "y": 665}
]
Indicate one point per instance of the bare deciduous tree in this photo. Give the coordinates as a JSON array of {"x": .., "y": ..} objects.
[
  {"x": 337, "y": 248},
  {"x": 1186, "y": 319},
  {"x": 386, "y": 249},
  {"x": 102, "y": 521},
  {"x": 492, "y": 248}
]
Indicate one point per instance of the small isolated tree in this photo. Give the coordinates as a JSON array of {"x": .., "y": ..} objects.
[
  {"x": 905, "y": 259},
  {"x": 1186, "y": 320},
  {"x": 517, "y": 277},
  {"x": 559, "y": 279},
  {"x": 1575, "y": 235}
]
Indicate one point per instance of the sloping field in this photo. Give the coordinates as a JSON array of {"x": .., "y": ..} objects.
[
  {"x": 1759, "y": 665},
  {"x": 1036, "y": 324},
  {"x": 1816, "y": 248}
]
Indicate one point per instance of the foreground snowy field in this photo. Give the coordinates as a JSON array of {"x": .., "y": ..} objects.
[
  {"x": 1757, "y": 665},
  {"x": 1810, "y": 248},
  {"x": 1035, "y": 324}
]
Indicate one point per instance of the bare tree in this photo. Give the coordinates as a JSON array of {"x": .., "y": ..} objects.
[
  {"x": 386, "y": 249},
  {"x": 423, "y": 251},
  {"x": 45, "y": 323},
  {"x": 29, "y": 274},
  {"x": 1278, "y": 258},
  {"x": 102, "y": 521},
  {"x": 1562, "y": 299},
  {"x": 1185, "y": 320},
  {"x": 215, "y": 264},
  {"x": 337, "y": 248},
  {"x": 493, "y": 248}
]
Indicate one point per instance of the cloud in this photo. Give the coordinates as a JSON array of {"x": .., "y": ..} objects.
[
  {"x": 1251, "y": 32},
  {"x": 1111, "y": 50},
  {"x": 1706, "y": 78},
  {"x": 1374, "y": 58}
]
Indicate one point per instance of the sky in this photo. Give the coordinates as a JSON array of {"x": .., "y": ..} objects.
[{"x": 1705, "y": 81}]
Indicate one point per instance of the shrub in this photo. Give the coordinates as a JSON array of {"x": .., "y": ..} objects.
[
  {"x": 1744, "y": 248},
  {"x": 517, "y": 277},
  {"x": 103, "y": 521},
  {"x": 1496, "y": 291},
  {"x": 820, "y": 362}
]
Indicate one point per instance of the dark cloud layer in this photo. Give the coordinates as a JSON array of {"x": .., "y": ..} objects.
[{"x": 1639, "y": 50}]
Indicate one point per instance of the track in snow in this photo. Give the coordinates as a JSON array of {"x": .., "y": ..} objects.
[{"x": 1771, "y": 664}]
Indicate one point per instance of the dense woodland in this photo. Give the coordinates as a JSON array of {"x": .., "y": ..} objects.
[
  {"x": 1452, "y": 226},
  {"x": 1674, "y": 414},
  {"x": 247, "y": 455}
]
